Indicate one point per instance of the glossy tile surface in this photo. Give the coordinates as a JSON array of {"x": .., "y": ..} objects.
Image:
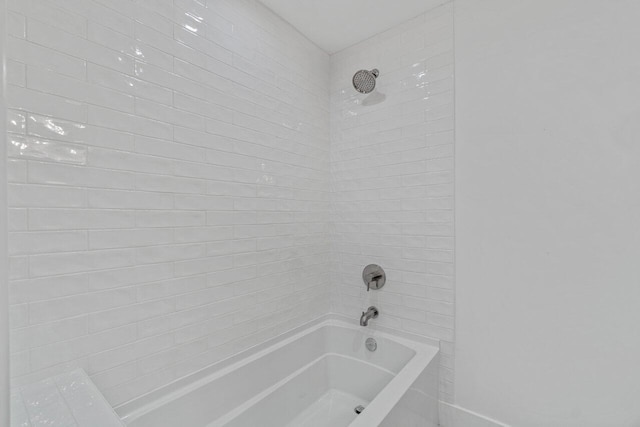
[
  {"x": 172, "y": 177},
  {"x": 66, "y": 400},
  {"x": 169, "y": 186},
  {"x": 392, "y": 180}
]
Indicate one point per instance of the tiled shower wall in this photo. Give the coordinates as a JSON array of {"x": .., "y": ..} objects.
[
  {"x": 169, "y": 186},
  {"x": 392, "y": 180},
  {"x": 170, "y": 181}
]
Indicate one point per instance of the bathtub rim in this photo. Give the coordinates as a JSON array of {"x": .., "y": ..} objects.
[{"x": 426, "y": 349}]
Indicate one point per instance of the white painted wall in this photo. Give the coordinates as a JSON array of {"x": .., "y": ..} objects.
[
  {"x": 548, "y": 211},
  {"x": 169, "y": 186},
  {"x": 392, "y": 180}
]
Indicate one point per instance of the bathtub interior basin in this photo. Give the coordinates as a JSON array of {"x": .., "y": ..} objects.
[{"x": 316, "y": 377}]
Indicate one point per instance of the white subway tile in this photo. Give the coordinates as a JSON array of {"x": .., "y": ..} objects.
[
  {"x": 46, "y": 288},
  {"x": 48, "y": 13},
  {"x": 129, "y": 352},
  {"x": 77, "y": 90},
  {"x": 16, "y": 122},
  {"x": 16, "y": 24},
  {"x": 69, "y": 219},
  {"x": 21, "y": 195},
  {"x": 42, "y": 242},
  {"x": 201, "y": 107},
  {"x": 170, "y": 184},
  {"x": 38, "y": 148},
  {"x": 34, "y": 54},
  {"x": 109, "y": 319},
  {"x": 18, "y": 267},
  {"x": 199, "y": 202},
  {"x": 115, "y": 199},
  {"x": 202, "y": 265},
  {"x": 59, "y": 40},
  {"x": 172, "y": 218},
  {"x": 60, "y": 174},
  {"x": 19, "y": 315},
  {"x": 128, "y": 84},
  {"x": 43, "y": 103},
  {"x": 16, "y": 73},
  {"x": 157, "y": 254},
  {"x": 122, "y": 121},
  {"x": 16, "y": 171},
  {"x": 116, "y": 278},
  {"x": 166, "y": 288},
  {"x": 75, "y": 305},
  {"x": 109, "y": 239},
  {"x": 75, "y": 262},
  {"x": 168, "y": 149},
  {"x": 124, "y": 160},
  {"x": 48, "y": 333},
  {"x": 166, "y": 114},
  {"x": 60, "y": 352},
  {"x": 17, "y": 219}
]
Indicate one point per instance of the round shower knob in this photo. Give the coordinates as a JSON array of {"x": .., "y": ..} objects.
[{"x": 374, "y": 277}]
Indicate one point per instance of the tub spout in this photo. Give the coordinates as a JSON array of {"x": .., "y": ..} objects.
[{"x": 371, "y": 313}]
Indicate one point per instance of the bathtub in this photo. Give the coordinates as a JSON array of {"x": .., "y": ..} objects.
[{"x": 312, "y": 378}]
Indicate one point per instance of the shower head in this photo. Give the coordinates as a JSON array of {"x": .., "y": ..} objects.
[{"x": 365, "y": 81}]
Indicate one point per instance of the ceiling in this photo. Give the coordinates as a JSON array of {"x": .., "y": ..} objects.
[{"x": 336, "y": 24}]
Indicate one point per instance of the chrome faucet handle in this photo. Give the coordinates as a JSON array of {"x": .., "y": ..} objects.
[{"x": 373, "y": 277}]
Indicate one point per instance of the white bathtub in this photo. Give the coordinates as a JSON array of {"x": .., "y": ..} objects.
[{"x": 315, "y": 377}]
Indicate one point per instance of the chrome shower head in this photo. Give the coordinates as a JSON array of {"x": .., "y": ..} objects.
[{"x": 365, "y": 81}]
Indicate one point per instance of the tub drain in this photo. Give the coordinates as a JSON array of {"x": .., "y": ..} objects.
[
  {"x": 371, "y": 344},
  {"x": 358, "y": 409}
]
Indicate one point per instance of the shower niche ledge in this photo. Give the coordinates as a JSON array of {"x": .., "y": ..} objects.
[{"x": 70, "y": 399}]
